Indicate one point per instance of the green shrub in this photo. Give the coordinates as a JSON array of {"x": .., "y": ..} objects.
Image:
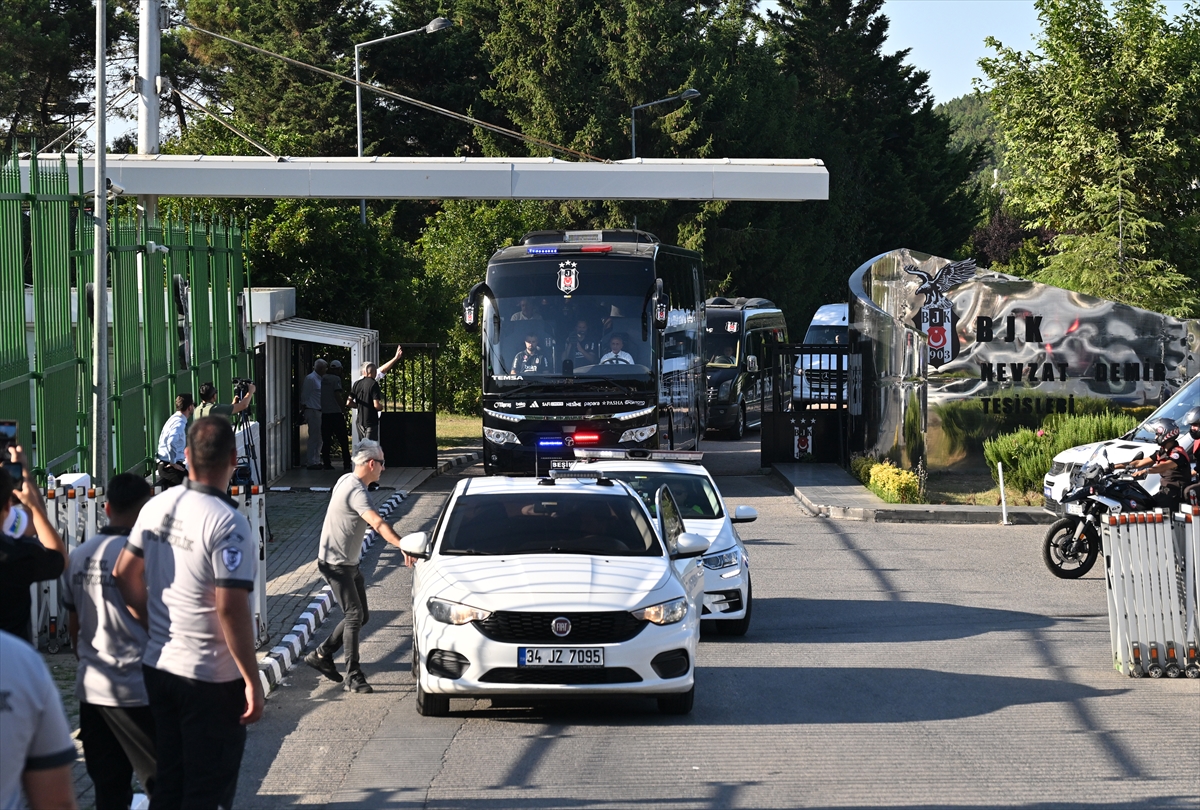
[
  {"x": 895, "y": 485},
  {"x": 1028, "y": 454},
  {"x": 860, "y": 468}
]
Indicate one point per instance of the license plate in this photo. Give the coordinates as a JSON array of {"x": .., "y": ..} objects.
[
  {"x": 1074, "y": 509},
  {"x": 561, "y": 463},
  {"x": 560, "y": 656},
  {"x": 1047, "y": 492}
]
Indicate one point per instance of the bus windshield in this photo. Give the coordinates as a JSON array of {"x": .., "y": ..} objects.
[
  {"x": 723, "y": 338},
  {"x": 533, "y": 332}
]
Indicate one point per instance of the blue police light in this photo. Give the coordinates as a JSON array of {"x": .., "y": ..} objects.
[
  {"x": 542, "y": 249},
  {"x": 550, "y": 442}
]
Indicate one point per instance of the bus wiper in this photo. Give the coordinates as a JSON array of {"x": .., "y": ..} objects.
[{"x": 614, "y": 384}]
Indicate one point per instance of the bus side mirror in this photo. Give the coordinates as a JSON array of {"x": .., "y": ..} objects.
[
  {"x": 470, "y": 308},
  {"x": 752, "y": 364},
  {"x": 661, "y": 306}
]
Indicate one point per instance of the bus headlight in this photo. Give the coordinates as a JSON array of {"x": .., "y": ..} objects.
[
  {"x": 639, "y": 434},
  {"x": 723, "y": 391},
  {"x": 500, "y": 436}
]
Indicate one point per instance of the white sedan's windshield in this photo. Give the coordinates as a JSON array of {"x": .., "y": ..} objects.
[
  {"x": 694, "y": 494},
  {"x": 549, "y": 523},
  {"x": 1187, "y": 398}
]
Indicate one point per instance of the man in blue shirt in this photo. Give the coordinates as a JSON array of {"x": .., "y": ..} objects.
[{"x": 172, "y": 442}]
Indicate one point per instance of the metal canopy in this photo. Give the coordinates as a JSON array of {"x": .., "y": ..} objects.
[{"x": 461, "y": 178}]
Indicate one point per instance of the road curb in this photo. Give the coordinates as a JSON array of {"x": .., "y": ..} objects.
[
  {"x": 284, "y": 656},
  {"x": 927, "y": 513},
  {"x": 447, "y": 464}
]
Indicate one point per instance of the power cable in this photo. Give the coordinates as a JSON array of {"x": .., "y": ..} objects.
[
  {"x": 224, "y": 123},
  {"x": 425, "y": 105}
]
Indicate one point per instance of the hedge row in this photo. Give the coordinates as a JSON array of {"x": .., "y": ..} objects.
[{"x": 1027, "y": 454}]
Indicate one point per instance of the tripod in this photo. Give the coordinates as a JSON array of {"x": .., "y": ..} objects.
[{"x": 248, "y": 469}]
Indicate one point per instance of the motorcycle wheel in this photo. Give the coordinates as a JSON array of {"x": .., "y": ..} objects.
[{"x": 1066, "y": 562}]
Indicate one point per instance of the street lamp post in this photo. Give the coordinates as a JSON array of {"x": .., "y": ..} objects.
[
  {"x": 436, "y": 24},
  {"x": 686, "y": 95}
]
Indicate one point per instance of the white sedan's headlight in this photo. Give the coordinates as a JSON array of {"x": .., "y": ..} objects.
[
  {"x": 664, "y": 613},
  {"x": 722, "y": 560},
  {"x": 639, "y": 434},
  {"x": 454, "y": 613},
  {"x": 500, "y": 436}
]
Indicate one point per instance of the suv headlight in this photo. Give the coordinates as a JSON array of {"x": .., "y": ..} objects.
[
  {"x": 722, "y": 560},
  {"x": 663, "y": 613},
  {"x": 500, "y": 436},
  {"x": 723, "y": 391},
  {"x": 454, "y": 613},
  {"x": 639, "y": 434}
]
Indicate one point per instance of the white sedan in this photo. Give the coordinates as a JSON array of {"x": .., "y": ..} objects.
[
  {"x": 562, "y": 586},
  {"x": 728, "y": 595}
]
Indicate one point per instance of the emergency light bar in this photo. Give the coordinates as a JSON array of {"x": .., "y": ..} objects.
[
  {"x": 598, "y": 477},
  {"x": 546, "y": 250},
  {"x": 638, "y": 454}
]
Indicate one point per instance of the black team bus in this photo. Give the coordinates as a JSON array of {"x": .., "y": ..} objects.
[{"x": 591, "y": 339}]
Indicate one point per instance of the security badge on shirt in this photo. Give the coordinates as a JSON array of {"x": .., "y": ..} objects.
[{"x": 232, "y": 558}]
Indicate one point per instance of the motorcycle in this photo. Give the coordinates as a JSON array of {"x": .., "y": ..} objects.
[{"x": 1072, "y": 543}]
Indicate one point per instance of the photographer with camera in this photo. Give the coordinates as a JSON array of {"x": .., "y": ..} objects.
[
  {"x": 23, "y": 559},
  {"x": 243, "y": 390}
]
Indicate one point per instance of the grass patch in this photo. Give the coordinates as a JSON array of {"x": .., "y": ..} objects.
[
  {"x": 973, "y": 487},
  {"x": 456, "y": 430}
]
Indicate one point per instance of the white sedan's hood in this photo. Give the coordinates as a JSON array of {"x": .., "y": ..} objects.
[
  {"x": 497, "y": 583},
  {"x": 713, "y": 531},
  {"x": 1119, "y": 451}
]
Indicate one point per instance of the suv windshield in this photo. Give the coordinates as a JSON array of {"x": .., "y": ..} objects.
[
  {"x": 827, "y": 335},
  {"x": 693, "y": 493},
  {"x": 723, "y": 338},
  {"x": 550, "y": 522},
  {"x": 1174, "y": 408}
]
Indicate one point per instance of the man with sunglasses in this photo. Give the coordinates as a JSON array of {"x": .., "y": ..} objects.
[{"x": 349, "y": 514}]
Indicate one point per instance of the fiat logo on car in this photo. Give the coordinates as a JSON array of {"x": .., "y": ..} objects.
[{"x": 561, "y": 626}]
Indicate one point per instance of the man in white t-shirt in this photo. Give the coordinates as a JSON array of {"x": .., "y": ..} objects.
[
  {"x": 310, "y": 402},
  {"x": 349, "y": 514},
  {"x": 116, "y": 726},
  {"x": 36, "y": 751},
  {"x": 616, "y": 353},
  {"x": 186, "y": 573}
]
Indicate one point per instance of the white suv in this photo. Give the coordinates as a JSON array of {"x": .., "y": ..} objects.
[
  {"x": 561, "y": 586},
  {"x": 816, "y": 377}
]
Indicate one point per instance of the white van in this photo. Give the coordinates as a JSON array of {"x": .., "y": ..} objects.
[
  {"x": 815, "y": 376},
  {"x": 1140, "y": 439}
]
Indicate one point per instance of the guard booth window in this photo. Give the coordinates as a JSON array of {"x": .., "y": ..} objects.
[{"x": 408, "y": 424}]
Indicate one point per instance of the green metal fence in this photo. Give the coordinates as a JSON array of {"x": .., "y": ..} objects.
[{"x": 175, "y": 319}]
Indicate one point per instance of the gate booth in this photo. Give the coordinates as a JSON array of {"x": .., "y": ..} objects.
[
  {"x": 806, "y": 415},
  {"x": 408, "y": 424}
]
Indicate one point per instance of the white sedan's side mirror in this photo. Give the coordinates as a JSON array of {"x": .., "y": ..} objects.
[
  {"x": 744, "y": 514},
  {"x": 416, "y": 545},
  {"x": 690, "y": 545}
]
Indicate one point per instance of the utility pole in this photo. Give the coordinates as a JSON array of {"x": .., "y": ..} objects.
[
  {"x": 151, "y": 19},
  {"x": 100, "y": 437}
]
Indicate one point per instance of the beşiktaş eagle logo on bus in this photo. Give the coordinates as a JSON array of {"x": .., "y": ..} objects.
[
  {"x": 936, "y": 318},
  {"x": 568, "y": 277}
]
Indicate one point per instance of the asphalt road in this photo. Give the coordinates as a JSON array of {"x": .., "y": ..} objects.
[{"x": 886, "y": 665}]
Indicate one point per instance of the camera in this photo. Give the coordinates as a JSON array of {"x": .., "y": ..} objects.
[{"x": 241, "y": 385}]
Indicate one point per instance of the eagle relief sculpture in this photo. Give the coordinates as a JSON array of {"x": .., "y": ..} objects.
[{"x": 936, "y": 318}]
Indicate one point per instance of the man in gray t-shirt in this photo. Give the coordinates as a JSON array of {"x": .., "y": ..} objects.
[
  {"x": 116, "y": 726},
  {"x": 338, "y": 554},
  {"x": 186, "y": 573},
  {"x": 36, "y": 751}
]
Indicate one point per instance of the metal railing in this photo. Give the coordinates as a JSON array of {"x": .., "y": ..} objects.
[
  {"x": 410, "y": 385},
  {"x": 175, "y": 317},
  {"x": 806, "y": 414}
]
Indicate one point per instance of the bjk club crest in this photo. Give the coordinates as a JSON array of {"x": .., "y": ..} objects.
[
  {"x": 936, "y": 318},
  {"x": 731, "y": 326},
  {"x": 568, "y": 277},
  {"x": 802, "y": 438}
]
